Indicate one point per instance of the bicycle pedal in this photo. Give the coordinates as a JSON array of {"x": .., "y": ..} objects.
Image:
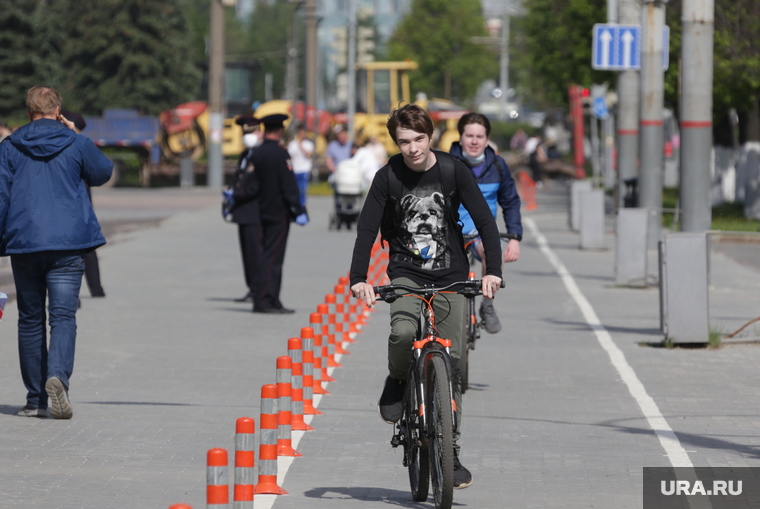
[{"x": 397, "y": 440}]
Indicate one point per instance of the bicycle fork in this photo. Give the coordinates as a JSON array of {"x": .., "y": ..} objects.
[
  {"x": 420, "y": 390},
  {"x": 422, "y": 384}
]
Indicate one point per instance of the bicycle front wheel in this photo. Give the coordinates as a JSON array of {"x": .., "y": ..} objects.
[
  {"x": 440, "y": 433},
  {"x": 417, "y": 446}
]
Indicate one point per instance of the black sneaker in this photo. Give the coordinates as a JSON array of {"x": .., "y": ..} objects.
[
  {"x": 462, "y": 476},
  {"x": 490, "y": 320},
  {"x": 391, "y": 404},
  {"x": 32, "y": 411},
  {"x": 60, "y": 407}
]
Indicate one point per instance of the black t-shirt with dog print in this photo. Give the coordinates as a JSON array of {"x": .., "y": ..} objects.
[{"x": 428, "y": 249}]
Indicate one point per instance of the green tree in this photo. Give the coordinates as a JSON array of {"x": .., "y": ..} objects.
[
  {"x": 736, "y": 66},
  {"x": 19, "y": 67},
  {"x": 553, "y": 48},
  {"x": 126, "y": 54},
  {"x": 736, "y": 71},
  {"x": 437, "y": 34},
  {"x": 268, "y": 35}
]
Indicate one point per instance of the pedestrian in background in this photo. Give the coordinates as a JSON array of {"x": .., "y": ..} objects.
[
  {"x": 534, "y": 151},
  {"x": 47, "y": 225},
  {"x": 517, "y": 142},
  {"x": 279, "y": 204},
  {"x": 378, "y": 150},
  {"x": 91, "y": 263},
  {"x": 301, "y": 150},
  {"x": 245, "y": 207},
  {"x": 339, "y": 149}
]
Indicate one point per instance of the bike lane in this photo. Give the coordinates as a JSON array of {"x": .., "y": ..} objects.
[
  {"x": 542, "y": 419},
  {"x": 705, "y": 395}
]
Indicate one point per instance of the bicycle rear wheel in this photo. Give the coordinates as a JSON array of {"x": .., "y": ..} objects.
[
  {"x": 417, "y": 446},
  {"x": 440, "y": 433}
]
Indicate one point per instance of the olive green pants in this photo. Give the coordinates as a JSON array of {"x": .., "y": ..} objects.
[{"x": 449, "y": 317}]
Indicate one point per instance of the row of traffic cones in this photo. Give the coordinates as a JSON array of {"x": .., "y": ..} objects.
[{"x": 300, "y": 376}]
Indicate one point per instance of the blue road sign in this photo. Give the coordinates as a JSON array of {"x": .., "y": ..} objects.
[
  {"x": 618, "y": 47},
  {"x": 600, "y": 108}
]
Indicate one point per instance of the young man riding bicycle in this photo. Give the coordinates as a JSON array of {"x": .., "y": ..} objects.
[
  {"x": 415, "y": 198},
  {"x": 498, "y": 187}
]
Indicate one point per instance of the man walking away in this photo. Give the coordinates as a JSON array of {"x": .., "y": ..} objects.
[{"x": 47, "y": 225}]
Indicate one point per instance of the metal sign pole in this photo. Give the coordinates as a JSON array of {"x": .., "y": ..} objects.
[
  {"x": 696, "y": 113},
  {"x": 652, "y": 100}
]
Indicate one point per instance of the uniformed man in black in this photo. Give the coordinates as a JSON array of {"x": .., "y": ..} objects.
[
  {"x": 91, "y": 265},
  {"x": 245, "y": 211},
  {"x": 279, "y": 204}
]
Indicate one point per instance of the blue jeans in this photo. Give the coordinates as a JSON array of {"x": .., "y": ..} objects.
[
  {"x": 302, "y": 179},
  {"x": 57, "y": 275}
]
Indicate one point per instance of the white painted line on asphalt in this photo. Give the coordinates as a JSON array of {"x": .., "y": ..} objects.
[{"x": 676, "y": 454}]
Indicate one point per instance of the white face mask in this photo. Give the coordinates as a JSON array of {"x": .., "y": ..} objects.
[
  {"x": 474, "y": 161},
  {"x": 250, "y": 140}
]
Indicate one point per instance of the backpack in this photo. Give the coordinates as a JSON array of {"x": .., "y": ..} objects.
[{"x": 393, "y": 216}]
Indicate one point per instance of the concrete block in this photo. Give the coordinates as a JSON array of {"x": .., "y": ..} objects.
[
  {"x": 575, "y": 213},
  {"x": 684, "y": 306},
  {"x": 592, "y": 219},
  {"x": 631, "y": 247}
]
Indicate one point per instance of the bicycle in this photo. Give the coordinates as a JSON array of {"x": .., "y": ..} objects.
[
  {"x": 426, "y": 428},
  {"x": 472, "y": 323}
]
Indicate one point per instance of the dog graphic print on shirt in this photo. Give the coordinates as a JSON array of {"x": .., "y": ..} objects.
[{"x": 425, "y": 229}]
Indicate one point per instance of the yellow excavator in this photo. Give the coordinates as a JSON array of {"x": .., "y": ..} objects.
[{"x": 381, "y": 86}]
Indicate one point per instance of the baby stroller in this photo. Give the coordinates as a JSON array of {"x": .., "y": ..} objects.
[{"x": 347, "y": 185}]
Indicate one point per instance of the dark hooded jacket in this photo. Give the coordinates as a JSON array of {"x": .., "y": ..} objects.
[{"x": 43, "y": 200}]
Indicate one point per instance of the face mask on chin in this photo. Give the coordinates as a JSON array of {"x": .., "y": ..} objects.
[
  {"x": 473, "y": 161},
  {"x": 250, "y": 140}
]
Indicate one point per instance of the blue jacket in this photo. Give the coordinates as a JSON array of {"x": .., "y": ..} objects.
[
  {"x": 496, "y": 189},
  {"x": 43, "y": 200}
]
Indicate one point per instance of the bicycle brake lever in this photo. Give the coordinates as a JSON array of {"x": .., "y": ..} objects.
[{"x": 387, "y": 295}]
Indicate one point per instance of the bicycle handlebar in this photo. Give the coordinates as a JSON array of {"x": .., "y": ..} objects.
[{"x": 469, "y": 288}]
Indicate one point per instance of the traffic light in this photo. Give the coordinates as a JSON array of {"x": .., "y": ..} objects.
[
  {"x": 365, "y": 45},
  {"x": 586, "y": 101},
  {"x": 340, "y": 46}
]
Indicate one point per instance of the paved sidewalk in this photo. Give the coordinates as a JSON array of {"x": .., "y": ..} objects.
[{"x": 167, "y": 362}]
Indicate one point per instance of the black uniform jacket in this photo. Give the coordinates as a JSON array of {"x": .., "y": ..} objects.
[
  {"x": 245, "y": 188},
  {"x": 278, "y": 191}
]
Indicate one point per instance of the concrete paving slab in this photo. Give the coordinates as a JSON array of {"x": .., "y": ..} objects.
[{"x": 168, "y": 361}]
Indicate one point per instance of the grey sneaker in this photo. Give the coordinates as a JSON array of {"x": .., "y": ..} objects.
[
  {"x": 462, "y": 476},
  {"x": 30, "y": 411},
  {"x": 60, "y": 407},
  {"x": 490, "y": 320},
  {"x": 391, "y": 404}
]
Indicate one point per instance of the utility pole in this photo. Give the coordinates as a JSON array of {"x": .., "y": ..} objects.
[
  {"x": 504, "y": 65},
  {"x": 652, "y": 101},
  {"x": 215, "y": 174},
  {"x": 310, "y": 13},
  {"x": 698, "y": 18},
  {"x": 628, "y": 110},
  {"x": 292, "y": 69},
  {"x": 351, "y": 71},
  {"x": 608, "y": 122}
]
